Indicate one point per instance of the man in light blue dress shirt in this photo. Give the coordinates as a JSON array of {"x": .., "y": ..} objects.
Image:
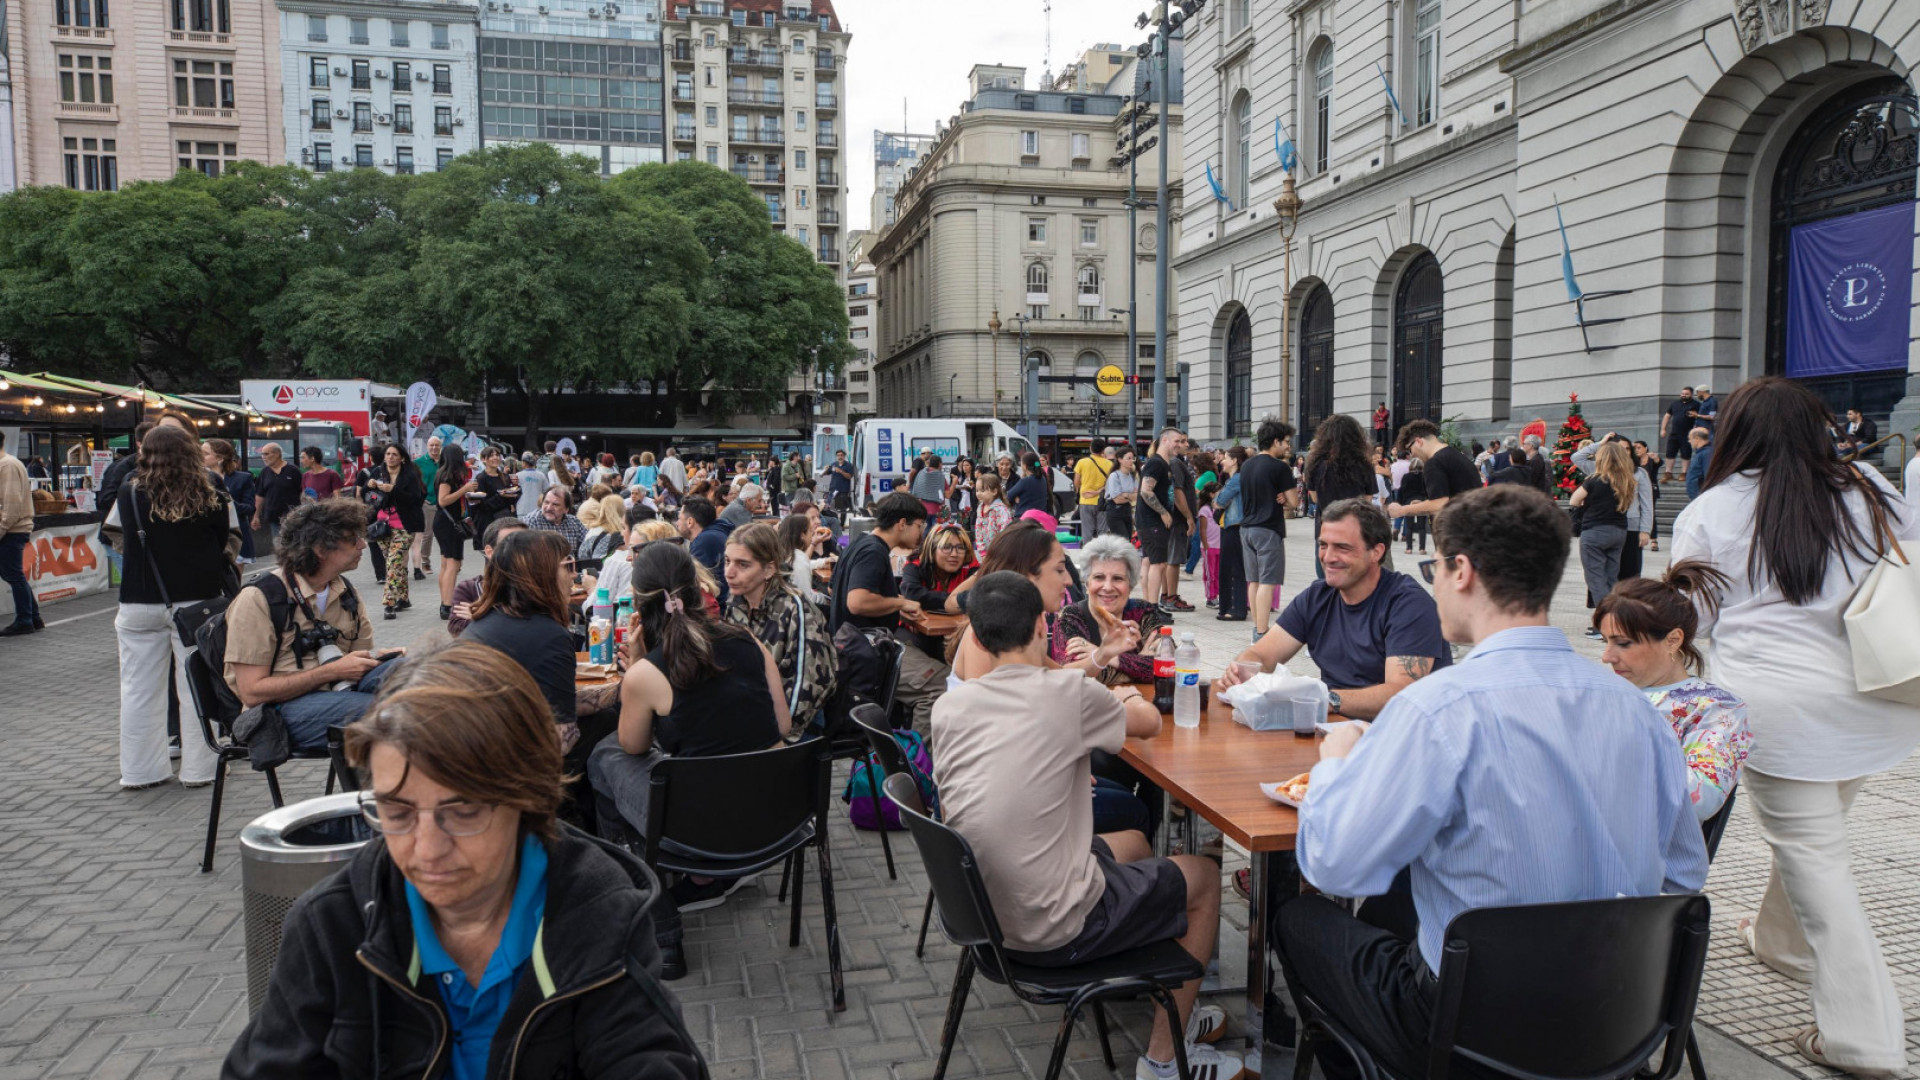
[{"x": 1524, "y": 774}]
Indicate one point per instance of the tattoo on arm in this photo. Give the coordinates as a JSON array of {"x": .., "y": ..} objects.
[
  {"x": 1415, "y": 667},
  {"x": 1147, "y": 496}
]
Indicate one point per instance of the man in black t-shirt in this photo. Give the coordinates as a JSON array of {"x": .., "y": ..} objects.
[
  {"x": 866, "y": 594},
  {"x": 1155, "y": 512},
  {"x": 1268, "y": 488},
  {"x": 1674, "y": 426},
  {"x": 1448, "y": 472},
  {"x": 1520, "y": 472}
]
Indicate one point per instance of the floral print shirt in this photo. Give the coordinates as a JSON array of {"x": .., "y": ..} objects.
[
  {"x": 993, "y": 517},
  {"x": 1711, "y": 724}
]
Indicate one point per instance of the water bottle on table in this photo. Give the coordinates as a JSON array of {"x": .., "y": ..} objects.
[{"x": 1186, "y": 683}]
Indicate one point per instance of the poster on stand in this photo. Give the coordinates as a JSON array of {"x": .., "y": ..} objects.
[{"x": 62, "y": 562}]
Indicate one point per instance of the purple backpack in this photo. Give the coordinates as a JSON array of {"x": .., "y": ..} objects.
[{"x": 862, "y": 794}]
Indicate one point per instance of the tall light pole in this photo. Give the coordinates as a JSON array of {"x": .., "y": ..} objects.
[
  {"x": 1167, "y": 17},
  {"x": 952, "y": 402},
  {"x": 1287, "y": 209},
  {"x": 993, "y": 325}
]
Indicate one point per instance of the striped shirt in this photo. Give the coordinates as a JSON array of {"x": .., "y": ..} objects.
[{"x": 1524, "y": 774}]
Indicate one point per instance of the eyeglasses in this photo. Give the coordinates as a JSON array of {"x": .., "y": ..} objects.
[
  {"x": 1426, "y": 570},
  {"x": 957, "y": 549},
  {"x": 394, "y": 818}
]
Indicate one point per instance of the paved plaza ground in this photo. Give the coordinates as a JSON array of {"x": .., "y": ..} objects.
[{"x": 119, "y": 959}]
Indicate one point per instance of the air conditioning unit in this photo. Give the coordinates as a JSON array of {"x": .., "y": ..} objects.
[
  {"x": 382, "y": 118},
  {"x": 420, "y": 76},
  {"x": 388, "y": 161},
  {"x": 344, "y": 160},
  {"x": 506, "y": 7},
  {"x": 543, "y": 9},
  {"x": 459, "y": 121},
  {"x": 380, "y": 73},
  {"x": 593, "y": 13},
  {"x": 341, "y": 114},
  {"x": 339, "y": 71}
]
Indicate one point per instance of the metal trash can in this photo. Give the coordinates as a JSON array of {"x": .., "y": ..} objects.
[{"x": 283, "y": 854}]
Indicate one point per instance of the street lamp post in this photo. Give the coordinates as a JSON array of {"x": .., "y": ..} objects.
[
  {"x": 1029, "y": 385},
  {"x": 953, "y": 403},
  {"x": 993, "y": 325},
  {"x": 1167, "y": 17},
  {"x": 1287, "y": 209}
]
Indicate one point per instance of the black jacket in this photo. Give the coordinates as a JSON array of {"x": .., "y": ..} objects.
[{"x": 341, "y": 998}]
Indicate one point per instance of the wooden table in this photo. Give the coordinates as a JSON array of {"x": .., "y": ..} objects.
[
  {"x": 1215, "y": 771},
  {"x": 582, "y": 683}
]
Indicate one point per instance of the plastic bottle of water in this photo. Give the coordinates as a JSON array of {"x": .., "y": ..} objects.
[
  {"x": 1186, "y": 683},
  {"x": 602, "y": 605},
  {"x": 1163, "y": 671}
]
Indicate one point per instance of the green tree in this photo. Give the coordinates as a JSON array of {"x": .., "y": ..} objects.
[{"x": 763, "y": 310}]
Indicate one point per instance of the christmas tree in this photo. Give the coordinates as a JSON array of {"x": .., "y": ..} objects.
[{"x": 1572, "y": 433}]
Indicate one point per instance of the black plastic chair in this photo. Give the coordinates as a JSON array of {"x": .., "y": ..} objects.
[
  {"x": 220, "y": 739},
  {"x": 966, "y": 916},
  {"x": 1588, "y": 990},
  {"x": 853, "y": 746},
  {"x": 698, "y": 822},
  {"x": 892, "y": 761},
  {"x": 1711, "y": 830}
]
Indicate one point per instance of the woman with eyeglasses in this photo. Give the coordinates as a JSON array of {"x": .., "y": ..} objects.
[
  {"x": 944, "y": 562},
  {"x": 475, "y": 927}
]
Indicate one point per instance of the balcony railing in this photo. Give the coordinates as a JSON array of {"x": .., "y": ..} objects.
[
  {"x": 826, "y": 140},
  {"x": 683, "y": 51},
  {"x": 773, "y": 99},
  {"x": 776, "y": 214},
  {"x": 442, "y": 129},
  {"x": 829, "y": 255},
  {"x": 683, "y": 93},
  {"x": 826, "y": 101},
  {"x": 829, "y": 179},
  {"x": 828, "y": 217},
  {"x": 752, "y": 58},
  {"x": 443, "y": 87},
  {"x": 826, "y": 61},
  {"x": 760, "y": 174},
  {"x": 763, "y": 137},
  {"x": 683, "y": 133}
]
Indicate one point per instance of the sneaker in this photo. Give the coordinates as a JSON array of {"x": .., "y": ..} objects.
[
  {"x": 1205, "y": 1024},
  {"x": 695, "y": 897},
  {"x": 1224, "y": 617},
  {"x": 173, "y": 749},
  {"x": 17, "y": 629},
  {"x": 1181, "y": 605},
  {"x": 1595, "y": 635},
  {"x": 1257, "y": 634},
  {"x": 417, "y": 575},
  {"x": 1204, "y": 1062},
  {"x": 1167, "y": 609},
  {"x": 1212, "y": 603},
  {"x": 445, "y": 613}
]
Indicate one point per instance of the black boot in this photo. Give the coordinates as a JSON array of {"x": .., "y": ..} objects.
[
  {"x": 445, "y": 613},
  {"x": 673, "y": 960}
]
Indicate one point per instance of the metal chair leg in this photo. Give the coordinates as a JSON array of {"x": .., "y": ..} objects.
[
  {"x": 833, "y": 928},
  {"x": 213, "y": 811},
  {"x": 925, "y": 918},
  {"x": 1100, "y": 1024},
  {"x": 1060, "y": 1040},
  {"x": 873, "y": 792},
  {"x": 956, "y": 1004},
  {"x": 1693, "y": 1057},
  {"x": 1303, "y": 1055},
  {"x": 330, "y": 775},
  {"x": 786, "y": 875},
  {"x": 1164, "y": 998},
  {"x": 799, "y": 886},
  {"x": 273, "y": 789}
]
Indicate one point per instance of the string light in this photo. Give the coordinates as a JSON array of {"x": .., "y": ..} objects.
[
  {"x": 5, "y": 385},
  {"x": 36, "y": 400},
  {"x": 122, "y": 403},
  {"x": 72, "y": 409}
]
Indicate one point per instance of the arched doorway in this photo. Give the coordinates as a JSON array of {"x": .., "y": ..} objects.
[
  {"x": 1840, "y": 265},
  {"x": 1316, "y": 361},
  {"x": 1240, "y": 375},
  {"x": 1419, "y": 308}
]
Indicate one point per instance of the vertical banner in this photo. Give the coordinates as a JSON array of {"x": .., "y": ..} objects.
[
  {"x": 1850, "y": 293},
  {"x": 420, "y": 401}
]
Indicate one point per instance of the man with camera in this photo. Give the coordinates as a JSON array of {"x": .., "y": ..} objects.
[{"x": 302, "y": 641}]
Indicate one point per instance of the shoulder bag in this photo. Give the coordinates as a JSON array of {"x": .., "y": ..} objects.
[
  {"x": 188, "y": 617},
  {"x": 1879, "y": 621}
]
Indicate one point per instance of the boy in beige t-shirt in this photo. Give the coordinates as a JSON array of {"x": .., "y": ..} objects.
[{"x": 1015, "y": 780}]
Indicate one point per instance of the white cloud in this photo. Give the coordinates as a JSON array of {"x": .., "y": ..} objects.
[{"x": 917, "y": 53}]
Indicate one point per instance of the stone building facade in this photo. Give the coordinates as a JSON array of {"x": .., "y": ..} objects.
[
  {"x": 1683, "y": 142},
  {"x": 386, "y": 84},
  {"x": 1019, "y": 210}
]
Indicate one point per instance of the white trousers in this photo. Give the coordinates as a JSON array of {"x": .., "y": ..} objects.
[
  {"x": 147, "y": 644},
  {"x": 1811, "y": 925}
]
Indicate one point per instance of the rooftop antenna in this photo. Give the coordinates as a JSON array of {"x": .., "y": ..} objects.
[{"x": 1046, "y": 9}]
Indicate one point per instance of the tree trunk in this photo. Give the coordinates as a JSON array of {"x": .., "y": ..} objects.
[{"x": 536, "y": 402}]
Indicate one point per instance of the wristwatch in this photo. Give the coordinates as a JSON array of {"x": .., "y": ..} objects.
[{"x": 1333, "y": 701}]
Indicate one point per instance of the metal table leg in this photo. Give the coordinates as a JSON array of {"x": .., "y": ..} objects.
[{"x": 1271, "y": 1030}]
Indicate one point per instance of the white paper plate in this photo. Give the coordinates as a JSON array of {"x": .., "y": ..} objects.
[{"x": 1272, "y": 791}]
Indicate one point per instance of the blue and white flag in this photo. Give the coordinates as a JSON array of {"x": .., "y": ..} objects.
[
  {"x": 1283, "y": 149},
  {"x": 1566, "y": 255},
  {"x": 1218, "y": 194},
  {"x": 1391, "y": 96}
]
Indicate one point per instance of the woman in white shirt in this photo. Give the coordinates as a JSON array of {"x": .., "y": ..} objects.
[
  {"x": 1792, "y": 527},
  {"x": 799, "y": 534}
]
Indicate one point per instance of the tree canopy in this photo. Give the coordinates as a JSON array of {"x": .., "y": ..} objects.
[{"x": 513, "y": 269}]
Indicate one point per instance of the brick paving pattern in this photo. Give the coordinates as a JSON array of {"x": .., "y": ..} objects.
[{"x": 119, "y": 959}]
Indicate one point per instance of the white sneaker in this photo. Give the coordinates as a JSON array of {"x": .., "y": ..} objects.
[
  {"x": 1204, "y": 1062},
  {"x": 1205, "y": 1024}
]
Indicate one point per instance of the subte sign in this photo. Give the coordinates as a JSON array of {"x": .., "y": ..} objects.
[{"x": 1110, "y": 380}]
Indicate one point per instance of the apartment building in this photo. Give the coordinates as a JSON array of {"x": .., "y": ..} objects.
[
  {"x": 895, "y": 156},
  {"x": 7, "y": 182},
  {"x": 863, "y": 307},
  {"x": 1017, "y": 217},
  {"x": 386, "y": 84},
  {"x": 584, "y": 75},
  {"x": 102, "y": 95},
  {"x": 1687, "y": 147}
]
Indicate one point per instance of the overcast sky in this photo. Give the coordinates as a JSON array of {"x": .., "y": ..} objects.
[{"x": 904, "y": 55}]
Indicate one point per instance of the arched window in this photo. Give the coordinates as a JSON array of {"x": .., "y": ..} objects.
[
  {"x": 1318, "y": 149},
  {"x": 1240, "y": 375},
  {"x": 1086, "y": 367},
  {"x": 1036, "y": 282},
  {"x": 1242, "y": 170},
  {"x": 1418, "y": 314},
  {"x": 1090, "y": 281}
]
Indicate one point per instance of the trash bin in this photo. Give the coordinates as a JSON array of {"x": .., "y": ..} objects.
[{"x": 283, "y": 854}]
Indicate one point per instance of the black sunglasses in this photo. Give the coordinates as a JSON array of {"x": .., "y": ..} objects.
[{"x": 1427, "y": 565}]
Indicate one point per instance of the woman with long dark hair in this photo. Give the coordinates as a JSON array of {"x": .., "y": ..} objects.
[
  {"x": 177, "y": 534},
  {"x": 452, "y": 484},
  {"x": 1231, "y": 509},
  {"x": 522, "y": 611},
  {"x": 1795, "y": 530},
  {"x": 400, "y": 494},
  {"x": 240, "y": 484},
  {"x": 1340, "y": 466}
]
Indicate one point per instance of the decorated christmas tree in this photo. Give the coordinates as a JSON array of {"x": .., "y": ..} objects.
[{"x": 1572, "y": 433}]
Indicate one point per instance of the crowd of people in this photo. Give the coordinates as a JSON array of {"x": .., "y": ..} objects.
[{"x": 1519, "y": 772}]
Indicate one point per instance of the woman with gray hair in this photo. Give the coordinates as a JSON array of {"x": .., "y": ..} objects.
[{"x": 1110, "y": 567}]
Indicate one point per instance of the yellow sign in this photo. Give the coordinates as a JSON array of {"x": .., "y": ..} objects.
[{"x": 1110, "y": 380}]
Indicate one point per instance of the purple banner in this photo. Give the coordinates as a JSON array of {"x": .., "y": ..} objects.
[{"x": 1850, "y": 293}]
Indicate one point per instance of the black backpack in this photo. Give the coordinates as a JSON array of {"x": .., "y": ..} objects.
[{"x": 211, "y": 637}]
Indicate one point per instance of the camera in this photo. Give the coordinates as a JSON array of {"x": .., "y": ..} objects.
[{"x": 315, "y": 640}]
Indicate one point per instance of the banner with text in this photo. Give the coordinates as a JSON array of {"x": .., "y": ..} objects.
[
  {"x": 61, "y": 562},
  {"x": 1850, "y": 293},
  {"x": 420, "y": 401}
]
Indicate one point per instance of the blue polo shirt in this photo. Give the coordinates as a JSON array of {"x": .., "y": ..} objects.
[{"x": 476, "y": 1010}]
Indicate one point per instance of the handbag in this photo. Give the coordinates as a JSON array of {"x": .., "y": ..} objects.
[
  {"x": 1879, "y": 622},
  {"x": 188, "y": 617},
  {"x": 461, "y": 526}
]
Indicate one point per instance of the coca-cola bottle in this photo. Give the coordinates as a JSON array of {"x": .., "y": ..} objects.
[{"x": 1163, "y": 665}]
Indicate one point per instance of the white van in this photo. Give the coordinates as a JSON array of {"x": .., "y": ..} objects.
[{"x": 884, "y": 450}]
